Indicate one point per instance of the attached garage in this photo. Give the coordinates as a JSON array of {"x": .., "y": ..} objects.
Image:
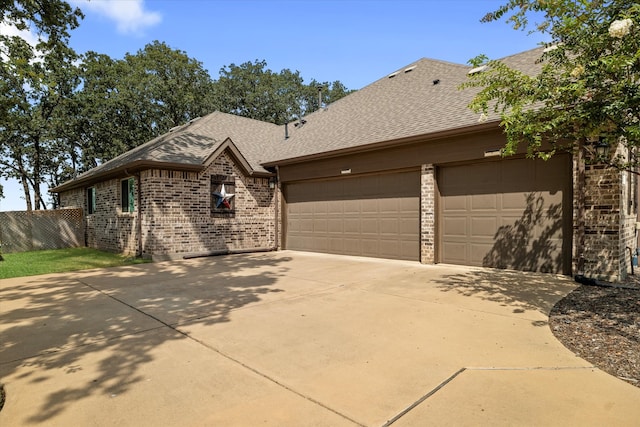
[
  {"x": 513, "y": 214},
  {"x": 370, "y": 215}
]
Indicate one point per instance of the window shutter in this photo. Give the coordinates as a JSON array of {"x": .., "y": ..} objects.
[{"x": 132, "y": 194}]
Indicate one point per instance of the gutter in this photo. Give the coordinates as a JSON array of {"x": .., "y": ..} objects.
[
  {"x": 126, "y": 170},
  {"x": 490, "y": 125}
]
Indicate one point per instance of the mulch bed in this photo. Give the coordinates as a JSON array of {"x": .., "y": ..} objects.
[{"x": 601, "y": 324}]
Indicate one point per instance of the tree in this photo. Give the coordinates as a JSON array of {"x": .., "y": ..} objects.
[
  {"x": 329, "y": 92},
  {"x": 253, "y": 90},
  {"x": 34, "y": 80},
  {"x": 587, "y": 92},
  {"x": 124, "y": 103}
]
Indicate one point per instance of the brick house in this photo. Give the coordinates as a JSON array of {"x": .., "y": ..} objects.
[{"x": 400, "y": 169}]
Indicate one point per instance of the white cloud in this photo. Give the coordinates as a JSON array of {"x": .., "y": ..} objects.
[
  {"x": 10, "y": 30},
  {"x": 130, "y": 16}
]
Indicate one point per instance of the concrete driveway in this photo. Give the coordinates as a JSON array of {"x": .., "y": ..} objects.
[{"x": 295, "y": 339}]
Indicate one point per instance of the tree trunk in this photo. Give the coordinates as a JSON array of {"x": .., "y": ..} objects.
[{"x": 27, "y": 193}]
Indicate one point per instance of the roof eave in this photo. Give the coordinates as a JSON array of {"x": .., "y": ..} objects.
[
  {"x": 489, "y": 125},
  {"x": 123, "y": 171}
]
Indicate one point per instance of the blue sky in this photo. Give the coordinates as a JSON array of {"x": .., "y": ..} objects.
[{"x": 354, "y": 41}]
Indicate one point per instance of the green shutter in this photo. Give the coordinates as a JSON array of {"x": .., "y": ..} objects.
[{"x": 132, "y": 194}]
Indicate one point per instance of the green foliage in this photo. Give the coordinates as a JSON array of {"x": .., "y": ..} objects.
[
  {"x": 587, "y": 87},
  {"x": 252, "y": 90},
  {"x": 34, "y": 82},
  {"x": 62, "y": 114},
  {"x": 124, "y": 103},
  {"x": 60, "y": 260}
]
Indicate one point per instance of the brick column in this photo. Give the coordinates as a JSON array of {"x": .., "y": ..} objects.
[
  {"x": 427, "y": 214},
  {"x": 608, "y": 223}
]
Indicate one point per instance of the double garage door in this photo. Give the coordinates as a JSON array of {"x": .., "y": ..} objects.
[
  {"x": 513, "y": 214},
  {"x": 371, "y": 215}
]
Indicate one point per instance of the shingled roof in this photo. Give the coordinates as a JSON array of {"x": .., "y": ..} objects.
[
  {"x": 188, "y": 147},
  {"x": 420, "y": 99}
]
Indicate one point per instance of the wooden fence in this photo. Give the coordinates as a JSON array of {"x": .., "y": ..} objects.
[{"x": 23, "y": 231}]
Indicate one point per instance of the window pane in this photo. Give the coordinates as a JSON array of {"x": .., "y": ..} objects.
[{"x": 124, "y": 195}]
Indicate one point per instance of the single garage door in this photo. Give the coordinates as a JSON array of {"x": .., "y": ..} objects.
[
  {"x": 373, "y": 215},
  {"x": 513, "y": 214}
]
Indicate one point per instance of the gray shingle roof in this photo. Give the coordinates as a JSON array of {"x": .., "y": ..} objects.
[
  {"x": 190, "y": 145},
  {"x": 419, "y": 99}
]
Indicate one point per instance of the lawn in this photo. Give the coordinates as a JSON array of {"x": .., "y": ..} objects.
[{"x": 60, "y": 260}]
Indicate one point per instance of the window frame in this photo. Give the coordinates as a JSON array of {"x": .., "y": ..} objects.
[
  {"x": 127, "y": 195},
  {"x": 90, "y": 196}
]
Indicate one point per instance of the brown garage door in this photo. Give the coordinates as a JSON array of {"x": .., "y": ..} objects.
[
  {"x": 375, "y": 215},
  {"x": 513, "y": 214}
]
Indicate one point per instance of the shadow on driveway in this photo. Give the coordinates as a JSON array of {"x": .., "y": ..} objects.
[
  {"x": 47, "y": 316},
  {"x": 517, "y": 291}
]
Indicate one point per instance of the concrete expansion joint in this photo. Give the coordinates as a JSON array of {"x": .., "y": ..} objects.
[
  {"x": 423, "y": 398},
  {"x": 479, "y": 368},
  {"x": 529, "y": 368},
  {"x": 232, "y": 359},
  {"x": 273, "y": 380}
]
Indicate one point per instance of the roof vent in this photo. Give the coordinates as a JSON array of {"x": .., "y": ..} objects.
[
  {"x": 195, "y": 120},
  {"x": 436, "y": 82},
  {"x": 550, "y": 48},
  {"x": 174, "y": 128},
  {"x": 477, "y": 69},
  {"x": 392, "y": 75},
  {"x": 410, "y": 69}
]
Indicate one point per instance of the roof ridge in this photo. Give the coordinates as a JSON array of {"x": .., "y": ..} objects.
[{"x": 521, "y": 53}]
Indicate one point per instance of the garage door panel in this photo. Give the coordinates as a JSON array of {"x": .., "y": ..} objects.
[
  {"x": 389, "y": 226},
  {"x": 483, "y": 227},
  {"x": 453, "y": 203},
  {"x": 454, "y": 226},
  {"x": 478, "y": 252},
  {"x": 522, "y": 220},
  {"x": 407, "y": 229},
  {"x": 484, "y": 201},
  {"x": 369, "y": 215},
  {"x": 409, "y": 205},
  {"x": 334, "y": 225},
  {"x": 320, "y": 225},
  {"x": 457, "y": 252},
  {"x": 369, "y": 226},
  {"x": 369, "y": 206}
]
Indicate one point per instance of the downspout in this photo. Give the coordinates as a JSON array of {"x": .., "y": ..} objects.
[
  {"x": 139, "y": 225},
  {"x": 276, "y": 193},
  {"x": 581, "y": 209}
]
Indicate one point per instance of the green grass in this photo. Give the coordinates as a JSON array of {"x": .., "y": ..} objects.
[{"x": 60, "y": 260}]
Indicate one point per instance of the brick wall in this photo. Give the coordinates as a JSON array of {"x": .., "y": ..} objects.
[
  {"x": 609, "y": 223},
  {"x": 108, "y": 228},
  {"x": 176, "y": 213},
  {"x": 177, "y": 217},
  {"x": 427, "y": 214}
]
